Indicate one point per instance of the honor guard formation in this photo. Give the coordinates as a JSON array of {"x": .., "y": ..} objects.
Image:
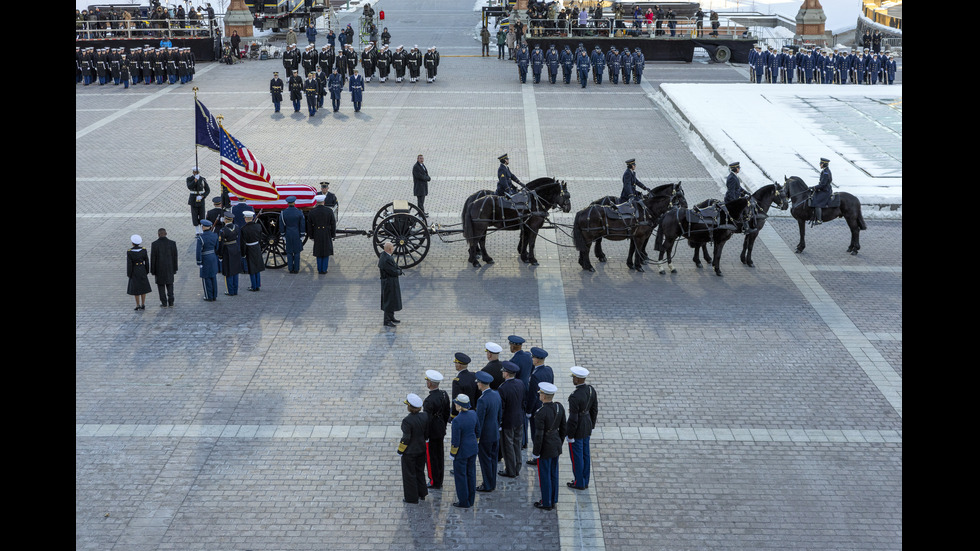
[
  {"x": 146, "y": 65},
  {"x": 493, "y": 414},
  {"x": 821, "y": 66}
]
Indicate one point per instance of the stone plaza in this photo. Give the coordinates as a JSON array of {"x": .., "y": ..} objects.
[{"x": 758, "y": 410}]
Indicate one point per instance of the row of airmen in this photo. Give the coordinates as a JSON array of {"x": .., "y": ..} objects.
[
  {"x": 625, "y": 63},
  {"x": 372, "y": 59},
  {"x": 821, "y": 66},
  {"x": 147, "y": 64}
]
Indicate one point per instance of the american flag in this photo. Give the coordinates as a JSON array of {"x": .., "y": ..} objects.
[{"x": 242, "y": 173}]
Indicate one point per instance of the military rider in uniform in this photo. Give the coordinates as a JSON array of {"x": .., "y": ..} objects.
[
  {"x": 822, "y": 191},
  {"x": 504, "y": 178},
  {"x": 630, "y": 183},
  {"x": 734, "y": 184}
]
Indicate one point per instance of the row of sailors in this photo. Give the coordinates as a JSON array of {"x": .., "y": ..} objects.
[
  {"x": 146, "y": 64},
  {"x": 629, "y": 64},
  {"x": 381, "y": 59},
  {"x": 822, "y": 66}
]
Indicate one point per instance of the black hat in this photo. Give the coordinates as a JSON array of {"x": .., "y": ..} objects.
[
  {"x": 734, "y": 165},
  {"x": 502, "y": 157},
  {"x": 462, "y": 358},
  {"x": 631, "y": 162}
]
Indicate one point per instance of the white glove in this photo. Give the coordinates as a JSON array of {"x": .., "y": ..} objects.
[{"x": 571, "y": 440}]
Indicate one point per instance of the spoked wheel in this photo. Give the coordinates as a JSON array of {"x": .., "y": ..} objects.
[
  {"x": 273, "y": 242},
  {"x": 389, "y": 209},
  {"x": 408, "y": 234}
]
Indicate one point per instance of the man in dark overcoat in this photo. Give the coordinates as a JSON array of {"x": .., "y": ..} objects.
[
  {"x": 323, "y": 229},
  {"x": 231, "y": 254},
  {"x": 420, "y": 179},
  {"x": 163, "y": 265},
  {"x": 391, "y": 293}
]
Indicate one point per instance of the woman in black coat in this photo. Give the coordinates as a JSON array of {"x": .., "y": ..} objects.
[{"x": 137, "y": 270}]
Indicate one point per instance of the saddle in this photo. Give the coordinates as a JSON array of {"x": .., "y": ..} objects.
[
  {"x": 624, "y": 211},
  {"x": 832, "y": 203},
  {"x": 519, "y": 201},
  {"x": 708, "y": 214}
]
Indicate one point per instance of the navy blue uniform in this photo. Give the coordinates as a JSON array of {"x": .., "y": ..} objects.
[
  {"x": 823, "y": 190},
  {"x": 567, "y": 64},
  {"x": 630, "y": 183},
  {"x": 488, "y": 416},
  {"x": 207, "y": 260},
  {"x": 463, "y": 449},
  {"x": 537, "y": 63},
  {"x": 292, "y": 225},
  {"x": 504, "y": 178},
  {"x": 598, "y": 60},
  {"x": 583, "y": 411},
  {"x": 734, "y": 188},
  {"x": 551, "y": 59}
]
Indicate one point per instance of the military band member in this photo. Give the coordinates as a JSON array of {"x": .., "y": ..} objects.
[{"x": 275, "y": 88}]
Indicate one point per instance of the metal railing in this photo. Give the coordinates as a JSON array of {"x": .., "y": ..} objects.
[
  {"x": 685, "y": 27},
  {"x": 140, "y": 28}
]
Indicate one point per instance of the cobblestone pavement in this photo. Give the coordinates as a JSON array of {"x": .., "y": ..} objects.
[{"x": 759, "y": 410}]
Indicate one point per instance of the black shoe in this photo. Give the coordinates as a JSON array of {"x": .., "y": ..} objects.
[
  {"x": 396, "y": 321},
  {"x": 456, "y": 504},
  {"x": 482, "y": 488},
  {"x": 163, "y": 306},
  {"x": 412, "y": 502},
  {"x": 505, "y": 475},
  {"x": 574, "y": 487},
  {"x": 389, "y": 324},
  {"x": 532, "y": 461},
  {"x": 431, "y": 487},
  {"x": 539, "y": 505}
]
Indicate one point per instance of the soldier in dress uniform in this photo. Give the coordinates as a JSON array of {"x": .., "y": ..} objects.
[
  {"x": 323, "y": 230},
  {"x": 312, "y": 90},
  {"x": 356, "y": 87},
  {"x": 429, "y": 60},
  {"x": 613, "y": 61},
  {"x": 391, "y": 292},
  {"x": 549, "y": 434},
  {"x": 551, "y": 60},
  {"x": 326, "y": 58},
  {"x": 505, "y": 177},
  {"x": 414, "y": 63},
  {"x": 291, "y": 60},
  {"x": 415, "y": 433},
  {"x": 537, "y": 63},
  {"x": 292, "y": 225},
  {"x": 522, "y": 359},
  {"x": 384, "y": 63},
  {"x": 251, "y": 237},
  {"x": 437, "y": 406},
  {"x": 350, "y": 60},
  {"x": 310, "y": 59},
  {"x": 626, "y": 63},
  {"x": 488, "y": 416},
  {"x": 630, "y": 182},
  {"x": 523, "y": 59},
  {"x": 540, "y": 373},
  {"x": 512, "y": 392},
  {"x": 399, "y": 60},
  {"x": 134, "y": 61},
  {"x": 369, "y": 58},
  {"x": 639, "y": 63},
  {"x": 582, "y": 65},
  {"x": 567, "y": 64},
  {"x": 465, "y": 381},
  {"x": 583, "y": 410},
  {"x": 295, "y": 90},
  {"x": 214, "y": 215},
  {"x": 207, "y": 260},
  {"x": 598, "y": 60},
  {"x": 822, "y": 191},
  {"x": 198, "y": 187},
  {"x": 464, "y": 448},
  {"x": 321, "y": 86},
  {"x": 231, "y": 254},
  {"x": 335, "y": 84},
  {"x": 733, "y": 184},
  {"x": 493, "y": 366},
  {"x": 275, "y": 88},
  {"x": 329, "y": 198}
]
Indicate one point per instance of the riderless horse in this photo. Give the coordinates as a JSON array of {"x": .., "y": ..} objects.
[
  {"x": 715, "y": 224},
  {"x": 633, "y": 220},
  {"x": 842, "y": 205},
  {"x": 525, "y": 210}
]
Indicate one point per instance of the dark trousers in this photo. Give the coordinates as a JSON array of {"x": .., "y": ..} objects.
[
  {"x": 166, "y": 293},
  {"x": 500, "y": 51},
  {"x": 581, "y": 461},
  {"x": 255, "y": 279},
  {"x": 421, "y": 202},
  {"x": 486, "y": 50},
  {"x": 210, "y": 287},
  {"x": 436, "y": 461},
  {"x": 464, "y": 474},
  {"x": 548, "y": 480},
  {"x": 488, "y": 462},
  {"x": 231, "y": 285},
  {"x": 511, "y": 445},
  {"x": 322, "y": 264},
  {"x": 413, "y": 477}
]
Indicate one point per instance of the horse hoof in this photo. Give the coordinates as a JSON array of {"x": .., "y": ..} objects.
[
  {"x": 673, "y": 270},
  {"x": 601, "y": 258},
  {"x": 698, "y": 265},
  {"x": 488, "y": 260},
  {"x": 854, "y": 252},
  {"x": 476, "y": 264},
  {"x": 718, "y": 273},
  {"x": 662, "y": 272},
  {"x": 639, "y": 268},
  {"x": 799, "y": 251},
  {"x": 750, "y": 264},
  {"x": 588, "y": 268}
]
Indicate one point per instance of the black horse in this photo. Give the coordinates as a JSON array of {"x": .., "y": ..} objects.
[
  {"x": 849, "y": 210},
  {"x": 682, "y": 222},
  {"x": 526, "y": 211},
  {"x": 603, "y": 218}
]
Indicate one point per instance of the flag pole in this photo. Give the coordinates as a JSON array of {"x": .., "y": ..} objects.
[{"x": 196, "y": 163}]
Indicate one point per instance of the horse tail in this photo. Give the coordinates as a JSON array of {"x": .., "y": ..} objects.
[{"x": 578, "y": 237}]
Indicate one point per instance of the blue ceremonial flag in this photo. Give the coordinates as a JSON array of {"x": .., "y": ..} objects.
[{"x": 206, "y": 128}]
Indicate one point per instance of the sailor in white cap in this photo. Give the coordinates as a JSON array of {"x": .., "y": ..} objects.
[
  {"x": 137, "y": 270},
  {"x": 549, "y": 428},
  {"x": 583, "y": 408},
  {"x": 415, "y": 432},
  {"x": 493, "y": 366},
  {"x": 436, "y": 406}
]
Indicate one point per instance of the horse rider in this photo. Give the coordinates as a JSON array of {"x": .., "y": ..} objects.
[
  {"x": 822, "y": 191},
  {"x": 504, "y": 178},
  {"x": 630, "y": 183},
  {"x": 734, "y": 184}
]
